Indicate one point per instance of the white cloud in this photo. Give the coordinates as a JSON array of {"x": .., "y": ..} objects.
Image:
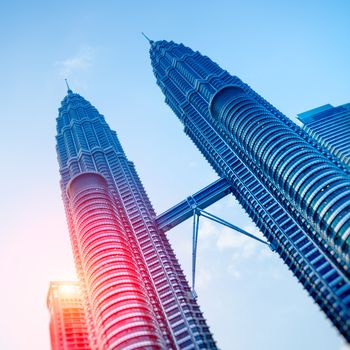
[
  {"x": 82, "y": 61},
  {"x": 238, "y": 248},
  {"x": 266, "y": 254},
  {"x": 208, "y": 233},
  {"x": 243, "y": 245},
  {"x": 203, "y": 277},
  {"x": 234, "y": 269},
  {"x": 232, "y": 202},
  {"x": 242, "y": 248},
  {"x": 208, "y": 229}
]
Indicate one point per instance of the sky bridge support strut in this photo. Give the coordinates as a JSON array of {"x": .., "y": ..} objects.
[{"x": 197, "y": 212}]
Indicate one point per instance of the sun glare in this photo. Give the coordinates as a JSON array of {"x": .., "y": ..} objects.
[{"x": 68, "y": 290}]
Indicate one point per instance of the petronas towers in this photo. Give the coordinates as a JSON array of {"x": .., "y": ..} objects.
[{"x": 296, "y": 190}]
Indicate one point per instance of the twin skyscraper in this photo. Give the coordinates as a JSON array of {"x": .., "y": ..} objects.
[{"x": 293, "y": 183}]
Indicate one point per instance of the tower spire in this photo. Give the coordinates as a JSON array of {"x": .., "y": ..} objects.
[
  {"x": 147, "y": 38},
  {"x": 68, "y": 88}
]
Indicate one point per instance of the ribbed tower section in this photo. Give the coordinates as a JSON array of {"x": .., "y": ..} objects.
[
  {"x": 135, "y": 293},
  {"x": 117, "y": 294},
  {"x": 296, "y": 191}
]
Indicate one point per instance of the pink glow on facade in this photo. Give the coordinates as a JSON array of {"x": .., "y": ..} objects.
[{"x": 121, "y": 309}]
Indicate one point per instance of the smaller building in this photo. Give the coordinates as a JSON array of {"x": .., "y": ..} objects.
[
  {"x": 68, "y": 329},
  {"x": 330, "y": 127}
]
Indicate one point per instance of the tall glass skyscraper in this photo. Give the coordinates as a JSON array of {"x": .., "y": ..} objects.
[
  {"x": 293, "y": 188},
  {"x": 68, "y": 330},
  {"x": 135, "y": 293},
  {"x": 330, "y": 127}
]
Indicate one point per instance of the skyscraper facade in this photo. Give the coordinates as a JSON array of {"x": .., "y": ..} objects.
[
  {"x": 68, "y": 329},
  {"x": 330, "y": 127},
  {"x": 135, "y": 293},
  {"x": 293, "y": 188}
]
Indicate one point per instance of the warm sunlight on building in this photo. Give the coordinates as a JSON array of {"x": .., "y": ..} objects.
[{"x": 67, "y": 322}]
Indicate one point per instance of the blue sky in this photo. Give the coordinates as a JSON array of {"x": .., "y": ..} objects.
[{"x": 294, "y": 53}]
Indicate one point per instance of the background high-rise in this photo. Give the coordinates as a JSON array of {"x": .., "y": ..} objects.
[
  {"x": 330, "y": 127},
  {"x": 68, "y": 329}
]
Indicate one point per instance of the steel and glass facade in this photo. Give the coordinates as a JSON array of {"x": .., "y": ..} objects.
[
  {"x": 330, "y": 127},
  {"x": 135, "y": 293},
  {"x": 68, "y": 329},
  {"x": 293, "y": 188}
]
